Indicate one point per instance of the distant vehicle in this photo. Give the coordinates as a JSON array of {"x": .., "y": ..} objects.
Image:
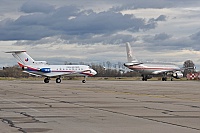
[
  {"x": 41, "y": 68},
  {"x": 147, "y": 70}
]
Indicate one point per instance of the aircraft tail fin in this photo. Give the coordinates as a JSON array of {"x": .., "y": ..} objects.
[
  {"x": 22, "y": 57},
  {"x": 130, "y": 56}
]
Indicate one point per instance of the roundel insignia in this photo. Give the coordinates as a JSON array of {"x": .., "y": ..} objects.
[{"x": 26, "y": 59}]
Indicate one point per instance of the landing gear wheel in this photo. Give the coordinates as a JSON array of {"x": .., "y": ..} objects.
[
  {"x": 58, "y": 80},
  {"x": 164, "y": 79},
  {"x": 144, "y": 78},
  {"x": 46, "y": 80},
  {"x": 83, "y": 81}
]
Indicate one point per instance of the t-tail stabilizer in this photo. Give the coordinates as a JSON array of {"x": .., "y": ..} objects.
[{"x": 22, "y": 57}]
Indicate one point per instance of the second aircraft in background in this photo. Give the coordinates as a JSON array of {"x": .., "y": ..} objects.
[{"x": 147, "y": 70}]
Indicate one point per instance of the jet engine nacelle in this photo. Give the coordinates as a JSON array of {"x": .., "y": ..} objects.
[
  {"x": 45, "y": 70},
  {"x": 177, "y": 74}
]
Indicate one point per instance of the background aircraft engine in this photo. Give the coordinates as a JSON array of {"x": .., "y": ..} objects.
[
  {"x": 177, "y": 75},
  {"x": 45, "y": 70}
]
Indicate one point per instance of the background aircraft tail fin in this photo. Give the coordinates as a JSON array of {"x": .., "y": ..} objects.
[
  {"x": 22, "y": 57},
  {"x": 130, "y": 56}
]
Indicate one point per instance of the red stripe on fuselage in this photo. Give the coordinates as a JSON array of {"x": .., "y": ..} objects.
[
  {"x": 21, "y": 65},
  {"x": 28, "y": 68},
  {"x": 151, "y": 68}
]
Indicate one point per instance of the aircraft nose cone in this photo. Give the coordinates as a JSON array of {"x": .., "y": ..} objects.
[{"x": 94, "y": 72}]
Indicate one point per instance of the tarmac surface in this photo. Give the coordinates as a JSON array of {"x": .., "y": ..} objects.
[{"x": 100, "y": 107}]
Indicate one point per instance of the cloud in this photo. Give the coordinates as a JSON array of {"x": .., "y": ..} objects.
[
  {"x": 195, "y": 36},
  {"x": 99, "y": 39},
  {"x": 32, "y": 7},
  {"x": 164, "y": 42},
  {"x": 154, "y": 27},
  {"x": 161, "y": 36},
  {"x": 156, "y": 4},
  {"x": 137, "y": 4},
  {"x": 161, "y": 18},
  {"x": 43, "y": 20}
]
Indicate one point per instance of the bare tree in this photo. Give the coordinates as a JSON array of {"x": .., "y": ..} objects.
[{"x": 108, "y": 64}]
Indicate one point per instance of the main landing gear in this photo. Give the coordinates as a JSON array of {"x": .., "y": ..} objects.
[
  {"x": 58, "y": 80},
  {"x": 46, "y": 80},
  {"x": 146, "y": 77},
  {"x": 164, "y": 78}
]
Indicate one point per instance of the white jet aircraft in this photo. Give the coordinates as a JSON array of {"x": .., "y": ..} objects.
[
  {"x": 147, "y": 70},
  {"x": 41, "y": 68}
]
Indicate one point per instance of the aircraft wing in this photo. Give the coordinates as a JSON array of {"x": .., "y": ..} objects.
[
  {"x": 72, "y": 73},
  {"x": 32, "y": 74},
  {"x": 62, "y": 74},
  {"x": 55, "y": 74}
]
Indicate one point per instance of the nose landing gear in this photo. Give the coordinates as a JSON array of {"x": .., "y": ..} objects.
[{"x": 84, "y": 80}]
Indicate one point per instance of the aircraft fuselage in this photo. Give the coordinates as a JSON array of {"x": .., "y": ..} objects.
[
  {"x": 150, "y": 68},
  {"x": 51, "y": 70}
]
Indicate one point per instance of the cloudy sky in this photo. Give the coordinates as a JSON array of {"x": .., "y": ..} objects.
[{"x": 96, "y": 31}]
